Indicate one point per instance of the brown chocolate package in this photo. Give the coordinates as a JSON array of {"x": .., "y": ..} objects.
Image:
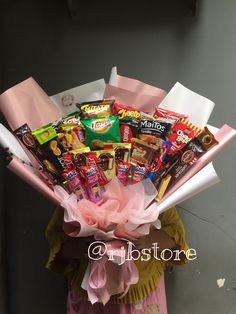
[
  {"x": 25, "y": 136},
  {"x": 174, "y": 168},
  {"x": 54, "y": 151},
  {"x": 144, "y": 153}
]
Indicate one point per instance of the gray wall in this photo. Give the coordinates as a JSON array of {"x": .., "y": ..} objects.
[{"x": 156, "y": 45}]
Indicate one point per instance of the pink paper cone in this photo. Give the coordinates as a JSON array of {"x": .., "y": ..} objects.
[
  {"x": 27, "y": 174},
  {"x": 143, "y": 102},
  {"x": 26, "y": 102},
  {"x": 223, "y": 136}
]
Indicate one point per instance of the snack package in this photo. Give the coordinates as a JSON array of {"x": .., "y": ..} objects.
[
  {"x": 24, "y": 134},
  {"x": 79, "y": 156},
  {"x": 92, "y": 160},
  {"x": 144, "y": 153},
  {"x": 106, "y": 162},
  {"x": 127, "y": 113},
  {"x": 168, "y": 116},
  {"x": 72, "y": 128},
  {"x": 139, "y": 173},
  {"x": 128, "y": 130},
  {"x": 96, "y": 109},
  {"x": 152, "y": 130},
  {"x": 123, "y": 172},
  {"x": 69, "y": 139},
  {"x": 122, "y": 150},
  {"x": 91, "y": 178},
  {"x": 51, "y": 146},
  {"x": 101, "y": 130},
  {"x": 69, "y": 160},
  {"x": 74, "y": 183},
  {"x": 182, "y": 133},
  {"x": 181, "y": 161}
]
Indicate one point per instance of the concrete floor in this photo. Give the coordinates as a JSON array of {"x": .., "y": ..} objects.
[{"x": 39, "y": 39}]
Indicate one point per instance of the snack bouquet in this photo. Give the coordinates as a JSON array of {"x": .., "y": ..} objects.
[{"x": 113, "y": 157}]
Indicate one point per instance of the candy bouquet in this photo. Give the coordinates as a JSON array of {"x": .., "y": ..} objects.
[{"x": 113, "y": 157}]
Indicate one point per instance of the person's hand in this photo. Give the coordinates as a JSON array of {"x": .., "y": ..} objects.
[{"x": 143, "y": 242}]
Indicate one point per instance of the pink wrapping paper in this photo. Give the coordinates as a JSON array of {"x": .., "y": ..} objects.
[
  {"x": 26, "y": 102},
  {"x": 133, "y": 92},
  {"x": 27, "y": 174},
  {"x": 223, "y": 136},
  {"x": 146, "y": 103},
  {"x": 134, "y": 85},
  {"x": 127, "y": 206},
  {"x": 105, "y": 277}
]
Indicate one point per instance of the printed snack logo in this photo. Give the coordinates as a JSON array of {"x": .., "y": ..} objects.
[
  {"x": 98, "y": 108},
  {"x": 188, "y": 156},
  {"x": 123, "y": 113},
  {"x": 101, "y": 125},
  {"x": 29, "y": 140},
  {"x": 182, "y": 138}
]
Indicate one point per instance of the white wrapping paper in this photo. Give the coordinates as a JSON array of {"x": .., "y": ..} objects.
[{"x": 66, "y": 100}]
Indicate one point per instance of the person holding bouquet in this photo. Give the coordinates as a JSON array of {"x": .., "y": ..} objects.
[{"x": 69, "y": 256}]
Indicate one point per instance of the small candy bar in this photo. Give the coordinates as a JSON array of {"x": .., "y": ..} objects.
[
  {"x": 139, "y": 173},
  {"x": 91, "y": 178},
  {"x": 144, "y": 153},
  {"x": 123, "y": 172},
  {"x": 122, "y": 150},
  {"x": 74, "y": 183}
]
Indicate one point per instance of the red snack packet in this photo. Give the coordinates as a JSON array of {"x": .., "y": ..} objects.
[
  {"x": 123, "y": 172},
  {"x": 69, "y": 160},
  {"x": 139, "y": 174},
  {"x": 168, "y": 116},
  {"x": 91, "y": 178},
  {"x": 182, "y": 133},
  {"x": 74, "y": 183},
  {"x": 92, "y": 160},
  {"x": 128, "y": 130},
  {"x": 127, "y": 113}
]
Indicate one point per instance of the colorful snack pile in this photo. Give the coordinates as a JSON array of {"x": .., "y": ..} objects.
[{"x": 85, "y": 150}]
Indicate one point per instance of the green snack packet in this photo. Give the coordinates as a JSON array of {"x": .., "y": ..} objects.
[
  {"x": 45, "y": 133},
  {"x": 51, "y": 146},
  {"x": 101, "y": 130}
]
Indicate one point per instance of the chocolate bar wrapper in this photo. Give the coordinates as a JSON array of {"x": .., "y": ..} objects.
[
  {"x": 106, "y": 162},
  {"x": 144, "y": 153},
  {"x": 180, "y": 163},
  {"x": 122, "y": 151}
]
